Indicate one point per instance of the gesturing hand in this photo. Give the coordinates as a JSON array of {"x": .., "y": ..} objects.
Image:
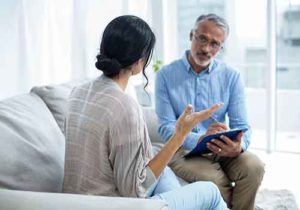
[{"x": 188, "y": 120}]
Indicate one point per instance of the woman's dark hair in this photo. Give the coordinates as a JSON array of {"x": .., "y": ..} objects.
[{"x": 125, "y": 40}]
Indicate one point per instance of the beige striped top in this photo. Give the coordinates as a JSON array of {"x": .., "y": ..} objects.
[{"x": 107, "y": 142}]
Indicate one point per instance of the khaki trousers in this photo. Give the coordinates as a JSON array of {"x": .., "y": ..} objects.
[{"x": 238, "y": 179}]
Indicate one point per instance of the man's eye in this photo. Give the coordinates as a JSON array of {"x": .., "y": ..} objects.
[
  {"x": 203, "y": 39},
  {"x": 215, "y": 45}
]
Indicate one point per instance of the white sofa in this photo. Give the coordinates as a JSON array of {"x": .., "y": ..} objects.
[{"x": 32, "y": 155}]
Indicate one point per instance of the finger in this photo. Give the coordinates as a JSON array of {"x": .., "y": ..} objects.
[
  {"x": 217, "y": 129},
  {"x": 215, "y": 149},
  {"x": 212, "y": 128},
  {"x": 227, "y": 140},
  {"x": 222, "y": 126},
  {"x": 220, "y": 129},
  {"x": 218, "y": 125},
  {"x": 214, "y": 107},
  {"x": 204, "y": 114},
  {"x": 238, "y": 138},
  {"x": 211, "y": 131},
  {"x": 231, "y": 142},
  {"x": 186, "y": 111},
  {"x": 219, "y": 143}
]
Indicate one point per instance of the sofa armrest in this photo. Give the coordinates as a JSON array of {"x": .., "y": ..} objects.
[{"x": 27, "y": 200}]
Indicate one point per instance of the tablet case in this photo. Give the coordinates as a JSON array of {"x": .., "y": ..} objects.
[{"x": 201, "y": 146}]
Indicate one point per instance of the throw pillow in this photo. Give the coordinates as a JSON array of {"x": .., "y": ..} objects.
[
  {"x": 56, "y": 99},
  {"x": 32, "y": 146}
]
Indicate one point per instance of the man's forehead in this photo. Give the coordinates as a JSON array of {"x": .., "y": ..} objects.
[{"x": 211, "y": 29}]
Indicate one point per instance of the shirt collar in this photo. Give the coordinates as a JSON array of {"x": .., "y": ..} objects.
[{"x": 188, "y": 66}]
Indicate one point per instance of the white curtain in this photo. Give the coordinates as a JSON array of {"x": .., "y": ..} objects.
[{"x": 52, "y": 41}]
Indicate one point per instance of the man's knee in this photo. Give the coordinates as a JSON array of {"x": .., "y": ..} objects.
[
  {"x": 258, "y": 170},
  {"x": 253, "y": 168}
]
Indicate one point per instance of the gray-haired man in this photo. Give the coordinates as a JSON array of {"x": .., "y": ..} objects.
[{"x": 201, "y": 80}]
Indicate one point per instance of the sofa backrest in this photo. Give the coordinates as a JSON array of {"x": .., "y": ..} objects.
[
  {"x": 56, "y": 99},
  {"x": 32, "y": 145},
  {"x": 32, "y": 141}
]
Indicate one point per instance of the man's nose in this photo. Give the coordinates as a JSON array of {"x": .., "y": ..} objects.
[{"x": 206, "y": 48}]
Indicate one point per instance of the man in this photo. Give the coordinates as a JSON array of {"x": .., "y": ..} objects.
[{"x": 201, "y": 80}]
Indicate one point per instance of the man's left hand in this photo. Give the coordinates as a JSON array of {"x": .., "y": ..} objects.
[{"x": 228, "y": 148}]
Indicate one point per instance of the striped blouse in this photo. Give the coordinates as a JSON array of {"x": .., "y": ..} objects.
[{"x": 107, "y": 143}]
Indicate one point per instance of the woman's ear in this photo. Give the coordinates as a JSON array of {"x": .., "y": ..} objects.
[
  {"x": 137, "y": 66},
  {"x": 138, "y": 62}
]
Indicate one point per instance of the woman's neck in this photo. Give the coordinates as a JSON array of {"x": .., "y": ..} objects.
[{"x": 122, "y": 78}]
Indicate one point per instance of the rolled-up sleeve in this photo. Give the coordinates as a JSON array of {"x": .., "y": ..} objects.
[{"x": 237, "y": 111}]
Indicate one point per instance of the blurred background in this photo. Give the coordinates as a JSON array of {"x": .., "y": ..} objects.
[{"x": 56, "y": 41}]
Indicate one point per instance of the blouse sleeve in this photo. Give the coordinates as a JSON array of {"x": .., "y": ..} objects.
[{"x": 131, "y": 152}]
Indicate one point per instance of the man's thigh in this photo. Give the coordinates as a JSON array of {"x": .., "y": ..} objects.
[
  {"x": 246, "y": 164},
  {"x": 198, "y": 169}
]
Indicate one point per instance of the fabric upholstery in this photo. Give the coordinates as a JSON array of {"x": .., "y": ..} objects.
[
  {"x": 32, "y": 155},
  {"x": 151, "y": 121},
  {"x": 59, "y": 201},
  {"x": 56, "y": 99},
  {"x": 32, "y": 146}
]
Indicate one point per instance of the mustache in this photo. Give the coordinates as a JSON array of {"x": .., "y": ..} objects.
[{"x": 203, "y": 54}]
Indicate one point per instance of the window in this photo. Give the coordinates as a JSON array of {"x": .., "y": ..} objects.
[
  {"x": 288, "y": 75},
  {"x": 247, "y": 49}
]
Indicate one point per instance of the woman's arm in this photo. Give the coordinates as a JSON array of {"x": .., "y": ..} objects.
[{"x": 184, "y": 125}]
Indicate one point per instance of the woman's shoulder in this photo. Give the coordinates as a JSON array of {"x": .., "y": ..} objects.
[{"x": 128, "y": 104}]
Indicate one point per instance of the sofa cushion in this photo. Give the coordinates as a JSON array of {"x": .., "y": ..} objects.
[
  {"x": 56, "y": 99},
  {"x": 151, "y": 121},
  {"x": 12, "y": 199},
  {"x": 32, "y": 146}
]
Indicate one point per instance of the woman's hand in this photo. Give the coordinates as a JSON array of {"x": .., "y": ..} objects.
[
  {"x": 184, "y": 125},
  {"x": 187, "y": 120}
]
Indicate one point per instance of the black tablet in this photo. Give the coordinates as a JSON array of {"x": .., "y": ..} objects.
[{"x": 201, "y": 146}]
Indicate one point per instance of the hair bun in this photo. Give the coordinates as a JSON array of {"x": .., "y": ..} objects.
[{"x": 109, "y": 66}]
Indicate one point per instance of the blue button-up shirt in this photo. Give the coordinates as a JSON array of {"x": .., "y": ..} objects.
[{"x": 177, "y": 85}]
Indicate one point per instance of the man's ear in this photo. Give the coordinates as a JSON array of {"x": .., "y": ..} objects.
[{"x": 191, "y": 35}]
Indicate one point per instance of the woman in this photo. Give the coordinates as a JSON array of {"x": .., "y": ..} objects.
[{"x": 108, "y": 150}]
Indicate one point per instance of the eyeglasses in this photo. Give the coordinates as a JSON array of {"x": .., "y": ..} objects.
[{"x": 203, "y": 41}]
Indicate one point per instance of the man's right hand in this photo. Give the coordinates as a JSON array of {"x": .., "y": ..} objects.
[{"x": 214, "y": 128}]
